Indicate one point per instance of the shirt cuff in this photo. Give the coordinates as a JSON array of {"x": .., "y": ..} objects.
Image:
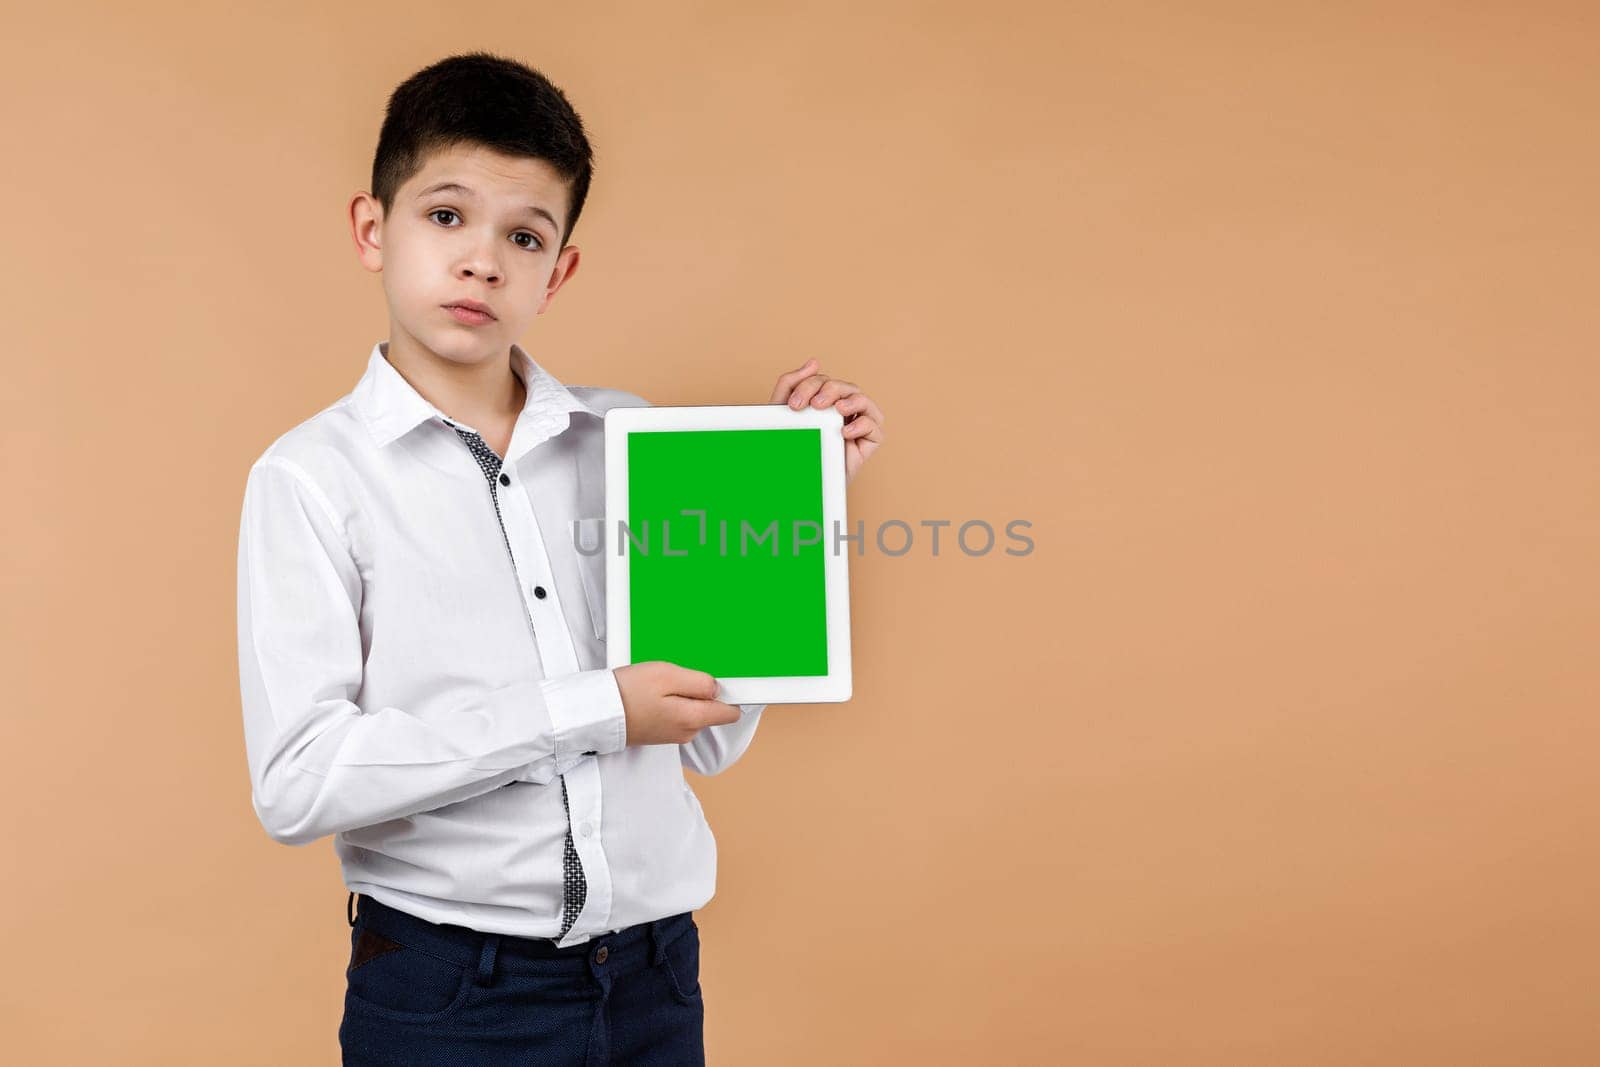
[{"x": 586, "y": 711}]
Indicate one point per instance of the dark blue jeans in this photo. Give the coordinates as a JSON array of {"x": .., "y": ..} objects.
[{"x": 421, "y": 993}]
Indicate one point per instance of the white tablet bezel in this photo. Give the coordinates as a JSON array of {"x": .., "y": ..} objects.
[{"x": 833, "y": 687}]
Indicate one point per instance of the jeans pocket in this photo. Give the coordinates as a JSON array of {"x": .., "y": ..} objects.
[
  {"x": 395, "y": 981},
  {"x": 682, "y": 963}
]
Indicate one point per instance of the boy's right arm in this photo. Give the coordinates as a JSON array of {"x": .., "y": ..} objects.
[{"x": 319, "y": 764}]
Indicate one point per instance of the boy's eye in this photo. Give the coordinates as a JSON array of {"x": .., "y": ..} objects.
[{"x": 520, "y": 233}]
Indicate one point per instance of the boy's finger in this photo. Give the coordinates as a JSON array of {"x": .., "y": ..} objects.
[
  {"x": 832, "y": 390},
  {"x": 803, "y": 390},
  {"x": 704, "y": 712},
  {"x": 806, "y": 390},
  {"x": 686, "y": 709},
  {"x": 863, "y": 426},
  {"x": 786, "y": 381},
  {"x": 861, "y": 403},
  {"x": 852, "y": 405},
  {"x": 716, "y": 712},
  {"x": 691, "y": 683}
]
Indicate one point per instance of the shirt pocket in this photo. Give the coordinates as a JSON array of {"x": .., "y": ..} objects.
[{"x": 592, "y": 570}]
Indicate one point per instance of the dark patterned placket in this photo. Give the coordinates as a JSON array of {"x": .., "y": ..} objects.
[{"x": 574, "y": 887}]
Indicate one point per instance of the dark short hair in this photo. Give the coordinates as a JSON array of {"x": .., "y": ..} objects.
[{"x": 482, "y": 99}]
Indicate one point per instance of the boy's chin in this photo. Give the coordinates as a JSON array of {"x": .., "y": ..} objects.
[{"x": 463, "y": 343}]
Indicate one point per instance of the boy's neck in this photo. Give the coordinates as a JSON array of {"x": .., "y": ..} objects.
[{"x": 486, "y": 396}]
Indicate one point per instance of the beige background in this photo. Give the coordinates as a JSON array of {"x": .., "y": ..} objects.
[{"x": 1277, "y": 321}]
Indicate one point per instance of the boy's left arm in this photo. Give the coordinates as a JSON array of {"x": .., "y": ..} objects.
[{"x": 715, "y": 748}]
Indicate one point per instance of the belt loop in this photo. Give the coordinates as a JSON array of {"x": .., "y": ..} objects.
[
  {"x": 658, "y": 947},
  {"x": 491, "y": 945},
  {"x": 349, "y": 909}
]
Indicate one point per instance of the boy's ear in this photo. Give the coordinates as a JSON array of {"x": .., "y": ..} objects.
[
  {"x": 566, "y": 266},
  {"x": 366, "y": 229}
]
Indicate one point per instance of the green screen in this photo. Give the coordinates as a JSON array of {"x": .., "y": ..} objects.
[{"x": 728, "y": 605}]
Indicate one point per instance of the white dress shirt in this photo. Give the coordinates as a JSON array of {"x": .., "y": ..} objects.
[{"x": 414, "y": 688}]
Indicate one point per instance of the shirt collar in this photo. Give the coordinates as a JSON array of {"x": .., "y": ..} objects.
[{"x": 391, "y": 407}]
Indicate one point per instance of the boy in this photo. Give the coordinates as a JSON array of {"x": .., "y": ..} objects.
[{"x": 422, "y": 647}]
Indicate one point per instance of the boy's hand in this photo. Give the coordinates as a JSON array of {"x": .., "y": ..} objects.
[
  {"x": 863, "y": 422},
  {"x": 666, "y": 704}
]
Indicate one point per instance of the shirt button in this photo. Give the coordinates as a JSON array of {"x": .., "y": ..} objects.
[
  {"x": 583, "y": 829},
  {"x": 538, "y": 591},
  {"x": 602, "y": 954},
  {"x": 505, "y": 479}
]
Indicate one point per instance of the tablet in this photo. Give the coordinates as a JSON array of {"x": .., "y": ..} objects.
[{"x": 721, "y": 547}]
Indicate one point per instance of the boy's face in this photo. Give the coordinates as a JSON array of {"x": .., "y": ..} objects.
[{"x": 493, "y": 241}]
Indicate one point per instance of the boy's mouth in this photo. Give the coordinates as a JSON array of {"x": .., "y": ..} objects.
[{"x": 470, "y": 311}]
